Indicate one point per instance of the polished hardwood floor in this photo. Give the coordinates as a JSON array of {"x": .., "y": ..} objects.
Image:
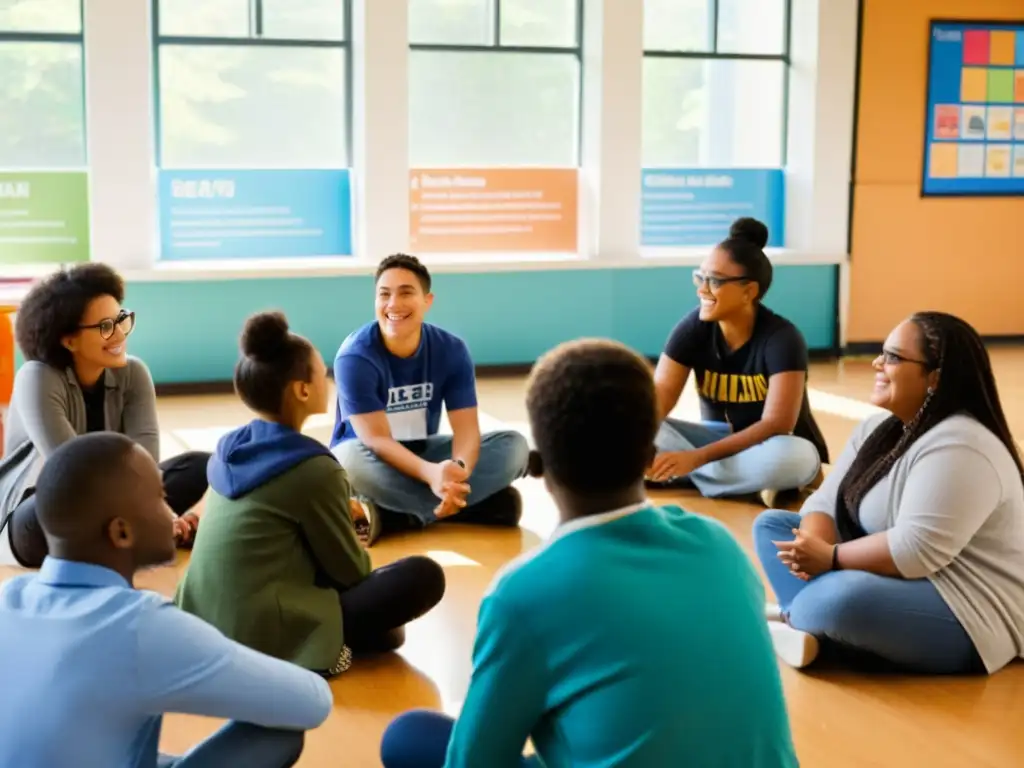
[{"x": 840, "y": 719}]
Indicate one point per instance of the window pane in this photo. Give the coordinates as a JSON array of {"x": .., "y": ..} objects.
[
  {"x": 451, "y": 22},
  {"x": 204, "y": 18},
  {"x": 712, "y": 113},
  {"x": 752, "y": 26},
  {"x": 42, "y": 121},
  {"x": 493, "y": 109},
  {"x": 41, "y": 16},
  {"x": 678, "y": 25},
  {"x": 538, "y": 22},
  {"x": 304, "y": 19},
  {"x": 253, "y": 107}
]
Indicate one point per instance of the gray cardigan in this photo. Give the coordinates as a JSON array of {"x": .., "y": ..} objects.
[{"x": 48, "y": 409}]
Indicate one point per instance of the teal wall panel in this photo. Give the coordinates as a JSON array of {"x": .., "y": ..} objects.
[{"x": 188, "y": 330}]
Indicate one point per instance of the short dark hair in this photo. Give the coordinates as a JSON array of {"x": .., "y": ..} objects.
[
  {"x": 272, "y": 357},
  {"x": 966, "y": 384},
  {"x": 54, "y": 306},
  {"x": 80, "y": 479},
  {"x": 745, "y": 246},
  {"x": 593, "y": 414},
  {"x": 405, "y": 261}
]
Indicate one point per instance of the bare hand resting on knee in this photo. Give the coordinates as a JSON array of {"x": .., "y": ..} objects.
[{"x": 448, "y": 482}]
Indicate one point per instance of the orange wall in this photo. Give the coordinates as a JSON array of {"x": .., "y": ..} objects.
[{"x": 964, "y": 256}]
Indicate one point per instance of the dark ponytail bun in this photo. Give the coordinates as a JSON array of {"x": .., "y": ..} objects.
[
  {"x": 265, "y": 336},
  {"x": 751, "y": 230}
]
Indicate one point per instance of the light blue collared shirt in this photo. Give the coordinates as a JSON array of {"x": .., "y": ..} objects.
[{"x": 89, "y": 665}]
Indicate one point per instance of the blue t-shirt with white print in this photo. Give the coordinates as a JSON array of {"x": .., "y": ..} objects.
[{"x": 410, "y": 390}]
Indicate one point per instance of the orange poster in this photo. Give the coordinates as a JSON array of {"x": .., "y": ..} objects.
[{"x": 455, "y": 210}]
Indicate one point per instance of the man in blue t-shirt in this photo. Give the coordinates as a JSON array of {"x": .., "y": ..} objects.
[{"x": 393, "y": 376}]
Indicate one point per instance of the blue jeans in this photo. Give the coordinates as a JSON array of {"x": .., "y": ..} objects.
[
  {"x": 904, "y": 622},
  {"x": 503, "y": 457},
  {"x": 244, "y": 746},
  {"x": 419, "y": 739},
  {"x": 780, "y": 463}
]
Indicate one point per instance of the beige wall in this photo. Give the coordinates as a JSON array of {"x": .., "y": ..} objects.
[{"x": 964, "y": 256}]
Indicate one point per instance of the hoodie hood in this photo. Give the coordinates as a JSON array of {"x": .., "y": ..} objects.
[{"x": 255, "y": 454}]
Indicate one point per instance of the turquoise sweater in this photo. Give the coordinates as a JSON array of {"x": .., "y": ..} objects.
[{"x": 635, "y": 638}]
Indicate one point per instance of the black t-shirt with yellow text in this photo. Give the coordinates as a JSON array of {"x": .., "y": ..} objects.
[{"x": 733, "y": 385}]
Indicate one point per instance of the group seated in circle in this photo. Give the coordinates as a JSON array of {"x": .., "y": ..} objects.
[{"x": 910, "y": 554}]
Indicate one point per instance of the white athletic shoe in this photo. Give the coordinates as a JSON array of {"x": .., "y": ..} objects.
[
  {"x": 796, "y": 648},
  {"x": 772, "y": 612}
]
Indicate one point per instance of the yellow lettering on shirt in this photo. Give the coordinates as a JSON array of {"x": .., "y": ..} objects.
[{"x": 733, "y": 387}]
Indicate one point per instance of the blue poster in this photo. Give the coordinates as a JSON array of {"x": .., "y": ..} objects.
[
  {"x": 974, "y": 126},
  {"x": 254, "y": 214},
  {"x": 695, "y": 206}
]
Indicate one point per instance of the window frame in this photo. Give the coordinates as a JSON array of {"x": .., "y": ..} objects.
[
  {"x": 716, "y": 55},
  {"x": 65, "y": 38},
  {"x": 254, "y": 40},
  {"x": 496, "y": 46}
]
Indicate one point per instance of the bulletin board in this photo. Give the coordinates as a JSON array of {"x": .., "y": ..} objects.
[{"x": 974, "y": 135}]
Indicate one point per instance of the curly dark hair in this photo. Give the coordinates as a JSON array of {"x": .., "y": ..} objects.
[
  {"x": 593, "y": 414},
  {"x": 272, "y": 358},
  {"x": 966, "y": 385},
  {"x": 405, "y": 261},
  {"x": 54, "y": 306}
]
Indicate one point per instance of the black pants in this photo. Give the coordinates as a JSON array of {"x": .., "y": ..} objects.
[
  {"x": 375, "y": 611},
  {"x": 184, "y": 483}
]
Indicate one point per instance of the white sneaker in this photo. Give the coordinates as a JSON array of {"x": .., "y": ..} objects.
[
  {"x": 772, "y": 612},
  {"x": 796, "y": 648}
]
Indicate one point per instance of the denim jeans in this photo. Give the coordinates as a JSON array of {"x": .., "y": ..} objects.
[
  {"x": 240, "y": 745},
  {"x": 419, "y": 739},
  {"x": 503, "y": 457},
  {"x": 904, "y": 622},
  {"x": 780, "y": 463}
]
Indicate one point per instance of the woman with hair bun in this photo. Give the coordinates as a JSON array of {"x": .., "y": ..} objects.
[
  {"x": 279, "y": 566},
  {"x": 757, "y": 434}
]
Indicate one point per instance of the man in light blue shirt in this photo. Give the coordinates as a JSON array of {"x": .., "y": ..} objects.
[{"x": 89, "y": 664}]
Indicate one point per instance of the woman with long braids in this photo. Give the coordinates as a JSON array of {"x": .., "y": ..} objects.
[{"x": 912, "y": 550}]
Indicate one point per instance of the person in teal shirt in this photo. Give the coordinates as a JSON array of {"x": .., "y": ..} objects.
[{"x": 635, "y": 636}]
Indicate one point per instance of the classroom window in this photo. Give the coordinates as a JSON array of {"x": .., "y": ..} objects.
[
  {"x": 714, "y": 83},
  {"x": 252, "y": 83},
  {"x": 494, "y": 82},
  {"x": 42, "y": 94}
]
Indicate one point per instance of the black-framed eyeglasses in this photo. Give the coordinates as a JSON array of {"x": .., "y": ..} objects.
[
  {"x": 713, "y": 281},
  {"x": 895, "y": 358},
  {"x": 125, "y": 320}
]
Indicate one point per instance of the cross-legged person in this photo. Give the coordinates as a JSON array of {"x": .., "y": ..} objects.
[
  {"x": 90, "y": 664},
  {"x": 757, "y": 433},
  {"x": 910, "y": 555},
  {"x": 278, "y": 565},
  {"x": 393, "y": 376},
  {"x": 597, "y": 645},
  {"x": 79, "y": 378}
]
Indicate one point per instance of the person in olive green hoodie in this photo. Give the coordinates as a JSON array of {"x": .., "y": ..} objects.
[{"x": 279, "y": 566}]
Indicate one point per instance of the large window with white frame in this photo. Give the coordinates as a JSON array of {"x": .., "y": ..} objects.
[
  {"x": 252, "y": 83},
  {"x": 253, "y": 115},
  {"x": 494, "y": 82},
  {"x": 494, "y": 109},
  {"x": 42, "y": 104},
  {"x": 714, "y": 83},
  {"x": 715, "y": 75}
]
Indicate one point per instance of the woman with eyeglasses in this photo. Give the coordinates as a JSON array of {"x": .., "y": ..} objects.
[
  {"x": 78, "y": 378},
  {"x": 757, "y": 434},
  {"x": 911, "y": 553}
]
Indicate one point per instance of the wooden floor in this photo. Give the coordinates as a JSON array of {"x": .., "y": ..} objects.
[{"x": 839, "y": 719}]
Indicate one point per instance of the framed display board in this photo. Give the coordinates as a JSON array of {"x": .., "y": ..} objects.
[{"x": 974, "y": 126}]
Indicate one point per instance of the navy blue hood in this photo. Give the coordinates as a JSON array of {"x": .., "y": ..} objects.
[{"x": 257, "y": 453}]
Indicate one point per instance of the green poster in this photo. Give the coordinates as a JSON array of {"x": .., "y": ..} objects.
[{"x": 44, "y": 217}]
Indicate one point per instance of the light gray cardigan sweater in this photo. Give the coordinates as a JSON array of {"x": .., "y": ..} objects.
[{"x": 48, "y": 409}]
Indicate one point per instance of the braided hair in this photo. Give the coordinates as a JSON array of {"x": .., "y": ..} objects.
[{"x": 966, "y": 385}]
